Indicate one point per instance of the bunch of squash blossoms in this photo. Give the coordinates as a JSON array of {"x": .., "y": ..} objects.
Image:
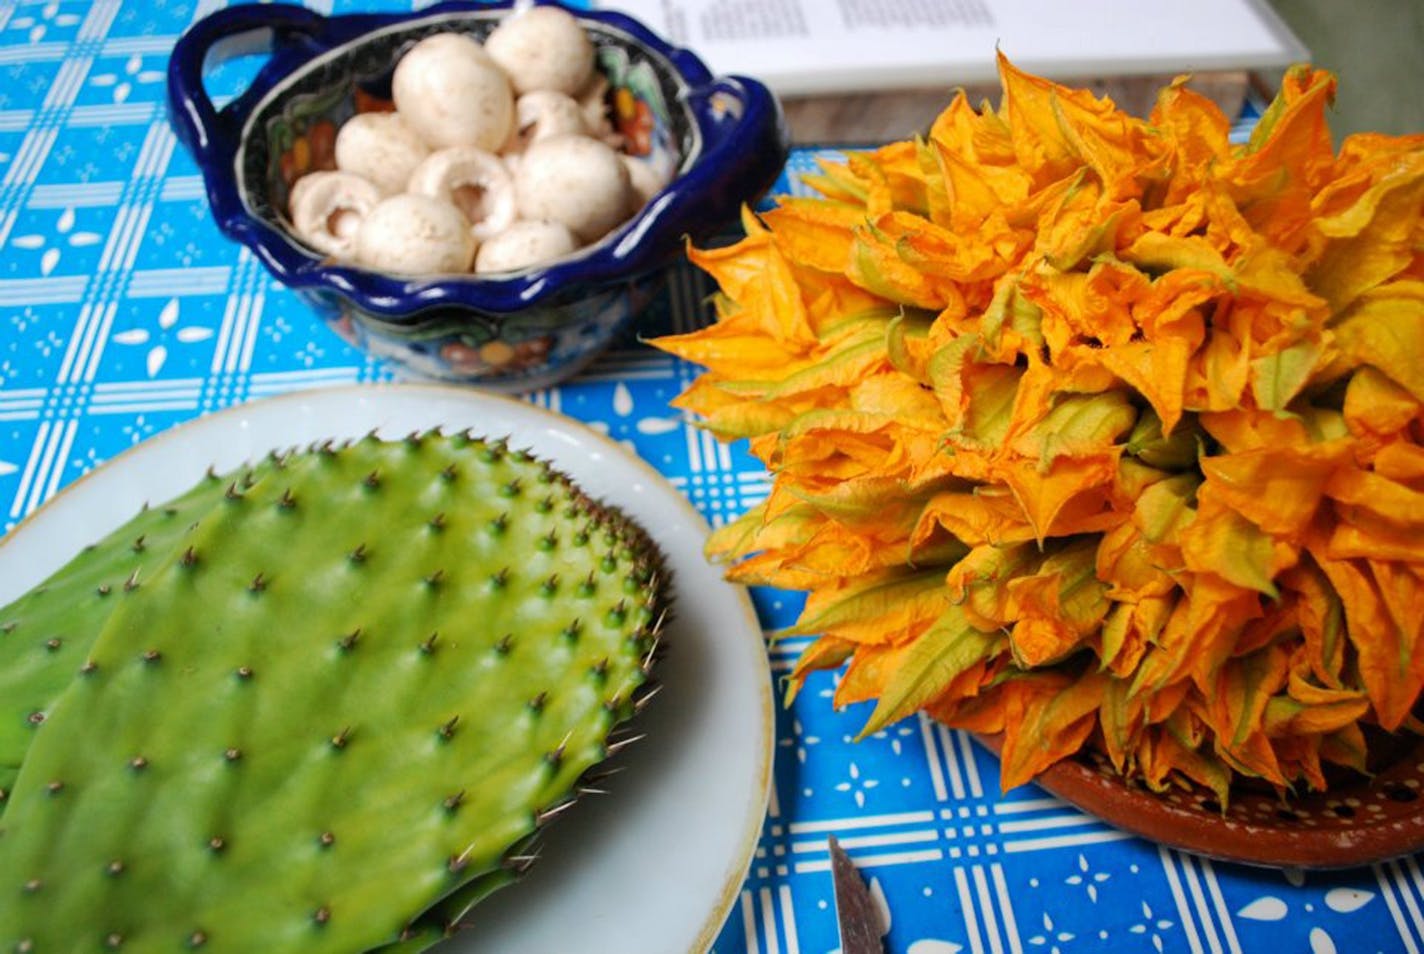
[{"x": 1094, "y": 432}]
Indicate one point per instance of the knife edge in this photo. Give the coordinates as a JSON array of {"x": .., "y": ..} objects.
[{"x": 857, "y": 915}]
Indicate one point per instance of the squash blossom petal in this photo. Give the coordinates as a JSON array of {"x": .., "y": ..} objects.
[{"x": 1089, "y": 431}]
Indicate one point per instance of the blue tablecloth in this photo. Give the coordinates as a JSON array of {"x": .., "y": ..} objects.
[{"x": 124, "y": 312}]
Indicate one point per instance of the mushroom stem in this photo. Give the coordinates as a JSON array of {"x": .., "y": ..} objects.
[
  {"x": 474, "y": 181},
  {"x": 327, "y": 209}
]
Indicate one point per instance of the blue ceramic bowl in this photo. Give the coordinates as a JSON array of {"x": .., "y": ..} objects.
[{"x": 724, "y": 138}]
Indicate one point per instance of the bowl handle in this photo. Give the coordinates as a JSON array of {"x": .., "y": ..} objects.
[{"x": 208, "y": 133}]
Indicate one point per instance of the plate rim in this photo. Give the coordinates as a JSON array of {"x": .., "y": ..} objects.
[{"x": 739, "y": 859}]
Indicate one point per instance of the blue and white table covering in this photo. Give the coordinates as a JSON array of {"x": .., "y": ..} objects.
[{"x": 124, "y": 312}]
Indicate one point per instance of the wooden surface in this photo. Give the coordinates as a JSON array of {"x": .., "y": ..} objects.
[{"x": 891, "y": 116}]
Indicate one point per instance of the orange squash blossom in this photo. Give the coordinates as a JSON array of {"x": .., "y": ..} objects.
[{"x": 1094, "y": 431}]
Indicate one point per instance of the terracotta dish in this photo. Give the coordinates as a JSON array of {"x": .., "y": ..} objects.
[{"x": 1357, "y": 821}]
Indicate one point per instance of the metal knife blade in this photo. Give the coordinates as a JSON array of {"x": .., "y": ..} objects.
[{"x": 857, "y": 914}]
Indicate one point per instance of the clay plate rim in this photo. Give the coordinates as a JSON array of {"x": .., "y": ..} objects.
[{"x": 1362, "y": 822}]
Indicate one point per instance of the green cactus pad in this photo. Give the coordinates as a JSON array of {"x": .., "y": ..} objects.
[
  {"x": 46, "y": 634},
  {"x": 345, "y": 701}
]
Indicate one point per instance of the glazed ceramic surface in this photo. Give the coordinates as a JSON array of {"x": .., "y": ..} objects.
[
  {"x": 1357, "y": 821},
  {"x": 720, "y": 141}
]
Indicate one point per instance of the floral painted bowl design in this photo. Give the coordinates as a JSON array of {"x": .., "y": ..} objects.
[{"x": 720, "y": 140}]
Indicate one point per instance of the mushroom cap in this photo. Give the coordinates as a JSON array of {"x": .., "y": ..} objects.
[
  {"x": 523, "y": 244},
  {"x": 475, "y": 181},
  {"x": 415, "y": 235},
  {"x": 450, "y": 43},
  {"x": 327, "y": 208},
  {"x": 574, "y": 180},
  {"x": 542, "y": 47},
  {"x": 541, "y": 114},
  {"x": 645, "y": 178},
  {"x": 381, "y": 148},
  {"x": 452, "y": 94}
]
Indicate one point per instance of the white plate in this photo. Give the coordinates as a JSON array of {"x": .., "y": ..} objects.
[{"x": 655, "y": 865}]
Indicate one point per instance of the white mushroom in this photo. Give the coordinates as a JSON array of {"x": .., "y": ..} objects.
[
  {"x": 451, "y": 43},
  {"x": 327, "y": 209},
  {"x": 593, "y": 100},
  {"x": 575, "y": 180},
  {"x": 381, "y": 148},
  {"x": 645, "y": 179},
  {"x": 542, "y": 114},
  {"x": 415, "y": 235},
  {"x": 465, "y": 166},
  {"x": 542, "y": 47},
  {"x": 453, "y": 94},
  {"x": 474, "y": 181},
  {"x": 523, "y": 244}
]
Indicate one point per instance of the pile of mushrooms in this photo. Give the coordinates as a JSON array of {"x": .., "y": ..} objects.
[{"x": 497, "y": 157}]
